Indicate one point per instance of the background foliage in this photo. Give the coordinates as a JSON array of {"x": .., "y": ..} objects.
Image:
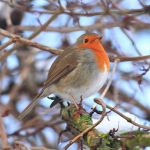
[{"x": 125, "y": 27}]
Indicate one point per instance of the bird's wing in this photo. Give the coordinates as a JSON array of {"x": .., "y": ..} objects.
[{"x": 63, "y": 65}]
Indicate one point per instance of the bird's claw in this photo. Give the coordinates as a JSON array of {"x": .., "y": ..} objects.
[{"x": 95, "y": 110}]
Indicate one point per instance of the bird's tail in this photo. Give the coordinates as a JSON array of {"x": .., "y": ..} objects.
[{"x": 29, "y": 107}]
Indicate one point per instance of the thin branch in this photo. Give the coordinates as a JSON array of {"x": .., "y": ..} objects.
[
  {"x": 33, "y": 120},
  {"x": 56, "y": 51},
  {"x": 8, "y": 18},
  {"x": 30, "y": 43},
  {"x": 46, "y": 24},
  {"x": 1, "y": 37},
  {"x": 123, "y": 148},
  {"x": 34, "y": 34},
  {"x": 133, "y": 43},
  {"x": 5, "y": 45},
  {"x": 112, "y": 74},
  {"x": 3, "y": 135},
  {"x": 123, "y": 12},
  {"x": 96, "y": 26},
  {"x": 87, "y": 14},
  {"x": 19, "y": 144},
  {"x": 13, "y": 4},
  {"x": 123, "y": 59},
  {"x": 23, "y": 75},
  {"x": 125, "y": 32},
  {"x": 53, "y": 3},
  {"x": 69, "y": 29},
  {"x": 127, "y": 118}
]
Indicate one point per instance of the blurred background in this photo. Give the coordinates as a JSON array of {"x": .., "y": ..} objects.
[{"x": 125, "y": 27}]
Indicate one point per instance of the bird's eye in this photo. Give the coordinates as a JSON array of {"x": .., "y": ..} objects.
[{"x": 86, "y": 40}]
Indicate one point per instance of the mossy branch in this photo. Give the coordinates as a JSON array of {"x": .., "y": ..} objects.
[
  {"x": 142, "y": 139},
  {"x": 77, "y": 123}
]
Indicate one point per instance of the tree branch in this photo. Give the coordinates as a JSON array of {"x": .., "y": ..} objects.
[
  {"x": 3, "y": 135},
  {"x": 54, "y": 50},
  {"x": 127, "y": 118},
  {"x": 96, "y": 26},
  {"x": 30, "y": 43},
  {"x": 89, "y": 128},
  {"x": 5, "y": 44},
  {"x": 123, "y": 59},
  {"x": 33, "y": 35}
]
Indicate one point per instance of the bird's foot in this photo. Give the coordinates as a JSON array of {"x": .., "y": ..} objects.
[
  {"x": 95, "y": 110},
  {"x": 55, "y": 101}
]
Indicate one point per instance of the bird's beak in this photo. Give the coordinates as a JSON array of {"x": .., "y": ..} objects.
[{"x": 99, "y": 38}]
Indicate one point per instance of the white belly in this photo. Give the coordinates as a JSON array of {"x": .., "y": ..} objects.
[{"x": 91, "y": 86}]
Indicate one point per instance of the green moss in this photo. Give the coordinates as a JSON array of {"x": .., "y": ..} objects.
[
  {"x": 84, "y": 118},
  {"x": 129, "y": 120},
  {"x": 78, "y": 123},
  {"x": 141, "y": 139},
  {"x": 72, "y": 110},
  {"x": 82, "y": 121},
  {"x": 102, "y": 146}
]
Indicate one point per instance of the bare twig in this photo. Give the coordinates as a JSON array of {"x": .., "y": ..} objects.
[
  {"x": 8, "y": 18},
  {"x": 5, "y": 45},
  {"x": 25, "y": 71},
  {"x": 123, "y": 59},
  {"x": 54, "y": 50},
  {"x": 129, "y": 135},
  {"x": 53, "y": 3},
  {"x": 5, "y": 143},
  {"x": 127, "y": 118},
  {"x": 96, "y": 26},
  {"x": 80, "y": 13},
  {"x": 29, "y": 42},
  {"x": 120, "y": 12},
  {"x": 1, "y": 37},
  {"x": 5, "y": 111},
  {"x": 33, "y": 120},
  {"x": 13, "y": 4},
  {"x": 19, "y": 144},
  {"x": 34, "y": 34}
]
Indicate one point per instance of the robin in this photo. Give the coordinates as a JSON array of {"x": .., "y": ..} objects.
[{"x": 81, "y": 69}]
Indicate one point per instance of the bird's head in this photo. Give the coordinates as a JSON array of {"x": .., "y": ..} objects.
[
  {"x": 93, "y": 41},
  {"x": 88, "y": 40}
]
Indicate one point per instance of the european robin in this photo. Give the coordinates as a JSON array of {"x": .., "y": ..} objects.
[{"x": 81, "y": 69}]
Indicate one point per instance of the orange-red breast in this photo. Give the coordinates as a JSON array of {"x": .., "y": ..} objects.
[{"x": 81, "y": 69}]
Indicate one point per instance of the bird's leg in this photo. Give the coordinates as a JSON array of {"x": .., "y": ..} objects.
[
  {"x": 74, "y": 101},
  {"x": 95, "y": 110},
  {"x": 55, "y": 101}
]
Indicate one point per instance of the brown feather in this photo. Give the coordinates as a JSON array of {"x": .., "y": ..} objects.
[{"x": 63, "y": 65}]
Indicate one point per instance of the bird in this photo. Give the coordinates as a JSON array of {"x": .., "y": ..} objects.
[{"x": 81, "y": 69}]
